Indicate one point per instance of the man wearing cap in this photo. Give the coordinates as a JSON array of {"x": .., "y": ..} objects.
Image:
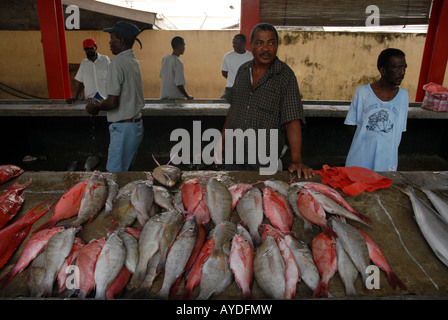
[
  {"x": 91, "y": 75},
  {"x": 125, "y": 99}
]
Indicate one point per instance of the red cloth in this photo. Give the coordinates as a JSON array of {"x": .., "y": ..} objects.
[{"x": 353, "y": 180}]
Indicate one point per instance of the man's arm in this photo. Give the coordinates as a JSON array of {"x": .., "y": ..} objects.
[
  {"x": 294, "y": 135},
  {"x": 78, "y": 92},
  {"x": 184, "y": 92},
  {"x": 224, "y": 73},
  {"x": 94, "y": 106}
]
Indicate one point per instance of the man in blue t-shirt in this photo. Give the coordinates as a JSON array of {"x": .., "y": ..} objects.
[{"x": 377, "y": 116}]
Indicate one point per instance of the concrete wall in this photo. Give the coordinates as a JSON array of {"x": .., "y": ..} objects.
[{"x": 328, "y": 65}]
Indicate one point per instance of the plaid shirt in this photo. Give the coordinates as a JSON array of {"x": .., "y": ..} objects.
[{"x": 271, "y": 104}]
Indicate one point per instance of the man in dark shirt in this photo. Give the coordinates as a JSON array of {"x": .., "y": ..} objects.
[{"x": 266, "y": 96}]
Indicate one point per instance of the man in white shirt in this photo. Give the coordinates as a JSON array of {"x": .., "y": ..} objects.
[
  {"x": 91, "y": 76},
  {"x": 125, "y": 99},
  {"x": 172, "y": 73},
  {"x": 234, "y": 59}
]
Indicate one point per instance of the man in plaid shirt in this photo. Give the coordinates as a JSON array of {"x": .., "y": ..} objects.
[{"x": 266, "y": 95}]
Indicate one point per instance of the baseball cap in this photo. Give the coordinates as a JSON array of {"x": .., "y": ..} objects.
[
  {"x": 126, "y": 29},
  {"x": 88, "y": 43}
]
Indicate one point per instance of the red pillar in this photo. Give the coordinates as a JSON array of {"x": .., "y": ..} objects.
[
  {"x": 51, "y": 20},
  {"x": 435, "y": 54},
  {"x": 250, "y": 17}
]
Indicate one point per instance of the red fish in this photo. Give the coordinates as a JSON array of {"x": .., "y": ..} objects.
[
  {"x": 33, "y": 247},
  {"x": 10, "y": 206},
  {"x": 117, "y": 286},
  {"x": 237, "y": 191},
  {"x": 312, "y": 211},
  {"x": 324, "y": 255},
  {"x": 13, "y": 235},
  {"x": 134, "y": 232},
  {"x": 86, "y": 262},
  {"x": 292, "y": 271},
  {"x": 193, "y": 277},
  {"x": 334, "y": 195},
  {"x": 194, "y": 199},
  {"x": 268, "y": 230},
  {"x": 241, "y": 262},
  {"x": 67, "y": 206},
  {"x": 378, "y": 257},
  {"x": 9, "y": 171},
  {"x": 277, "y": 209}
]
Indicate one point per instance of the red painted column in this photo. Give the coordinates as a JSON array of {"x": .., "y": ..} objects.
[
  {"x": 249, "y": 18},
  {"x": 435, "y": 54},
  {"x": 51, "y": 20}
]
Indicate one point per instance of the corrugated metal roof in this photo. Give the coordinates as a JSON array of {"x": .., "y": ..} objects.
[{"x": 343, "y": 12}]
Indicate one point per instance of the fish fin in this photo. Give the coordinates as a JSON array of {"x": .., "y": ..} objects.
[
  {"x": 321, "y": 290},
  {"x": 394, "y": 281}
]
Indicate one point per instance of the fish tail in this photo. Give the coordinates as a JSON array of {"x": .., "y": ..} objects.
[
  {"x": 248, "y": 295},
  {"x": 7, "y": 278},
  {"x": 186, "y": 293},
  {"x": 321, "y": 290},
  {"x": 394, "y": 281}
]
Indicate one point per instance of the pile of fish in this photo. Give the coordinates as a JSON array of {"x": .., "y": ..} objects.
[
  {"x": 432, "y": 221},
  {"x": 199, "y": 233}
]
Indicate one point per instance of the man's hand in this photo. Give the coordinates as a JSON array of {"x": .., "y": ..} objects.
[
  {"x": 300, "y": 168},
  {"x": 71, "y": 100},
  {"x": 93, "y": 106}
]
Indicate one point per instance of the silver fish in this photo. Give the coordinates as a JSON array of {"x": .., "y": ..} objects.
[
  {"x": 56, "y": 251},
  {"x": 304, "y": 259},
  {"x": 178, "y": 255},
  {"x": 163, "y": 198},
  {"x": 438, "y": 202},
  {"x": 93, "y": 199},
  {"x": 219, "y": 201},
  {"x": 109, "y": 264},
  {"x": 243, "y": 231},
  {"x": 216, "y": 275},
  {"x": 354, "y": 245},
  {"x": 250, "y": 211},
  {"x": 333, "y": 207},
  {"x": 36, "y": 275},
  {"x": 222, "y": 234},
  {"x": 269, "y": 269},
  {"x": 346, "y": 269},
  {"x": 126, "y": 191},
  {"x": 131, "y": 245},
  {"x": 167, "y": 175},
  {"x": 177, "y": 201},
  {"x": 171, "y": 229},
  {"x": 278, "y": 185},
  {"x": 113, "y": 191},
  {"x": 142, "y": 199},
  {"x": 431, "y": 225},
  {"x": 148, "y": 245}
]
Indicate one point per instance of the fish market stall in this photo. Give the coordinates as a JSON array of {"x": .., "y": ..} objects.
[{"x": 393, "y": 228}]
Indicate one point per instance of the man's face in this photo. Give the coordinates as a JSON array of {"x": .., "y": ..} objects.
[
  {"x": 238, "y": 44},
  {"x": 90, "y": 52},
  {"x": 115, "y": 43},
  {"x": 395, "y": 70},
  {"x": 264, "y": 47}
]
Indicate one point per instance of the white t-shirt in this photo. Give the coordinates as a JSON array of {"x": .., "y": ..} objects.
[
  {"x": 172, "y": 75},
  {"x": 124, "y": 79},
  {"x": 93, "y": 76},
  {"x": 231, "y": 62},
  {"x": 379, "y": 125}
]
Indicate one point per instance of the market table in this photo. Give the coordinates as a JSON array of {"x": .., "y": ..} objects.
[{"x": 393, "y": 227}]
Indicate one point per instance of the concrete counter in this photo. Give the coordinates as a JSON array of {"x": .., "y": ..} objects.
[
  {"x": 198, "y": 107},
  {"x": 393, "y": 228}
]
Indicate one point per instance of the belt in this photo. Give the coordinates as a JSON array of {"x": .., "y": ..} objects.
[{"x": 129, "y": 120}]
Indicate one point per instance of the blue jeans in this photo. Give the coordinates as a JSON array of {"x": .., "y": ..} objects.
[{"x": 125, "y": 139}]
